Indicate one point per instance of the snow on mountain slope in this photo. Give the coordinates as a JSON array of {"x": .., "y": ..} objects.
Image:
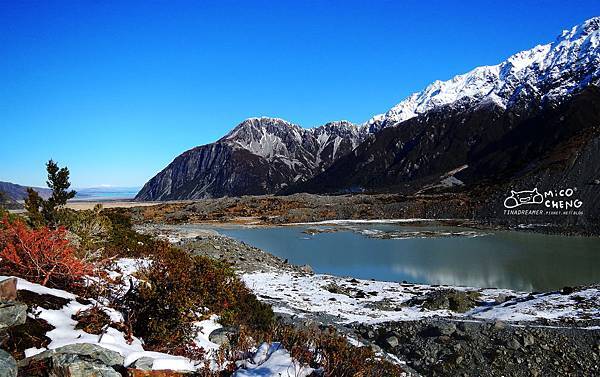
[
  {"x": 259, "y": 156},
  {"x": 266, "y": 137},
  {"x": 552, "y": 70},
  {"x": 265, "y": 155},
  {"x": 316, "y": 147}
]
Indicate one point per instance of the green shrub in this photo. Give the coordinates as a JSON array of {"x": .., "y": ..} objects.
[
  {"x": 333, "y": 353},
  {"x": 122, "y": 240},
  {"x": 93, "y": 320},
  {"x": 178, "y": 289},
  {"x": 89, "y": 229},
  {"x": 47, "y": 212},
  {"x": 10, "y": 217}
]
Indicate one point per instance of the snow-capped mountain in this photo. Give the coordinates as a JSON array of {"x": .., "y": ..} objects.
[
  {"x": 275, "y": 138},
  {"x": 259, "y": 156},
  {"x": 551, "y": 71},
  {"x": 270, "y": 155}
]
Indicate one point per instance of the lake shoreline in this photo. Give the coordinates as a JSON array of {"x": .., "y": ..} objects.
[
  {"x": 435, "y": 330},
  {"x": 423, "y": 252},
  {"x": 311, "y": 208}
]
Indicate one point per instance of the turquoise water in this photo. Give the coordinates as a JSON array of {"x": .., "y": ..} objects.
[{"x": 515, "y": 260}]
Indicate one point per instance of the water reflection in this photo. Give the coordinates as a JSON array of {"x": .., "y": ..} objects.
[{"x": 521, "y": 261}]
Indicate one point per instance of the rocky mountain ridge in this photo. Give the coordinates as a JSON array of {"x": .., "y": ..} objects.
[
  {"x": 19, "y": 192},
  {"x": 259, "y": 156},
  {"x": 550, "y": 71},
  {"x": 270, "y": 155}
]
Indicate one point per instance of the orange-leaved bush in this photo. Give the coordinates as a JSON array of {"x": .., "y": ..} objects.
[{"x": 42, "y": 256}]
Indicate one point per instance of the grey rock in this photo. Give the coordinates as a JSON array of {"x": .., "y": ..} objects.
[
  {"x": 447, "y": 299},
  {"x": 392, "y": 341},
  {"x": 12, "y": 314},
  {"x": 502, "y": 298},
  {"x": 442, "y": 329},
  {"x": 143, "y": 363},
  {"x": 74, "y": 365},
  {"x": 513, "y": 344},
  {"x": 375, "y": 348},
  {"x": 307, "y": 268},
  {"x": 528, "y": 340},
  {"x": 92, "y": 351},
  {"x": 8, "y": 365},
  {"x": 80, "y": 360},
  {"x": 223, "y": 335}
]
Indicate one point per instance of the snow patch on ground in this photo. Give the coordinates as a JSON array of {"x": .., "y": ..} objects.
[
  {"x": 374, "y": 221},
  {"x": 375, "y": 302},
  {"x": 272, "y": 360},
  {"x": 584, "y": 304}
]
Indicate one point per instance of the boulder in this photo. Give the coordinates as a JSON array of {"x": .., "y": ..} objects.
[
  {"x": 74, "y": 365},
  {"x": 392, "y": 341},
  {"x": 143, "y": 363},
  {"x": 8, "y": 365},
  {"x": 12, "y": 314},
  {"x": 79, "y": 360},
  {"x": 338, "y": 289},
  {"x": 223, "y": 335},
  {"x": 513, "y": 344},
  {"x": 502, "y": 298},
  {"x": 8, "y": 289},
  {"x": 441, "y": 329},
  {"x": 447, "y": 299},
  {"x": 375, "y": 348},
  {"x": 306, "y": 269},
  {"x": 528, "y": 340},
  {"x": 93, "y": 352}
]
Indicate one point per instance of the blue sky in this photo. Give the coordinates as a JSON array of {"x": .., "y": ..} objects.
[{"x": 116, "y": 89}]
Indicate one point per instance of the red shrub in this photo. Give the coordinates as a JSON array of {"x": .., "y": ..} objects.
[{"x": 42, "y": 256}]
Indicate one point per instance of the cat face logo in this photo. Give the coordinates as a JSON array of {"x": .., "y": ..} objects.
[{"x": 519, "y": 198}]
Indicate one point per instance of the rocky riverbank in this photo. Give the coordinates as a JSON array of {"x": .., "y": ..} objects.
[
  {"x": 451, "y": 347},
  {"x": 457, "y": 209},
  {"x": 435, "y": 330}
]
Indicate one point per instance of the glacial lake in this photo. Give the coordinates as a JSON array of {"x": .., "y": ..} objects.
[{"x": 433, "y": 255}]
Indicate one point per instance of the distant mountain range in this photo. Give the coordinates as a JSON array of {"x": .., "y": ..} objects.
[
  {"x": 14, "y": 193},
  {"x": 531, "y": 120},
  {"x": 17, "y": 192},
  {"x": 106, "y": 193},
  {"x": 259, "y": 156}
]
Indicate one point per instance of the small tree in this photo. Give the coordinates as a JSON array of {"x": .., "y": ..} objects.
[
  {"x": 33, "y": 204},
  {"x": 4, "y": 200},
  {"x": 58, "y": 181},
  {"x": 3, "y": 204},
  {"x": 46, "y": 212}
]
